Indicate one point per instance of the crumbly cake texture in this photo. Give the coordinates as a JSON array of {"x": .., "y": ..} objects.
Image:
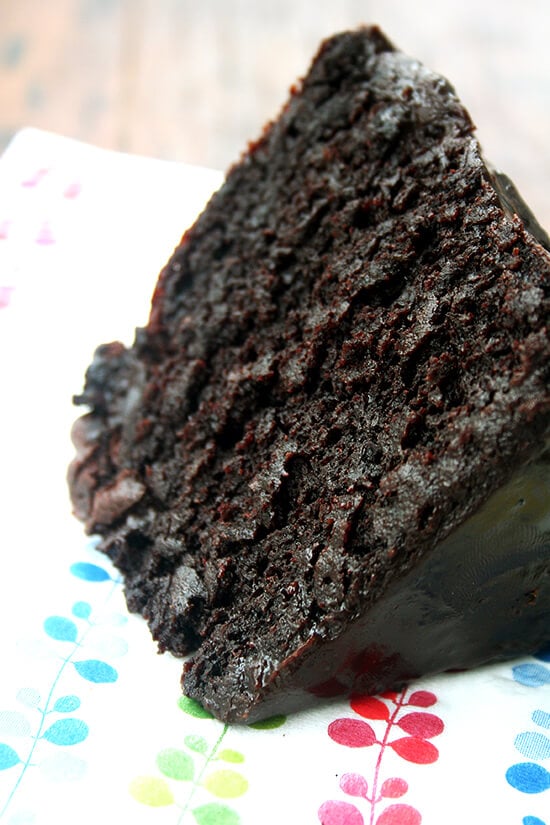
[{"x": 346, "y": 355}]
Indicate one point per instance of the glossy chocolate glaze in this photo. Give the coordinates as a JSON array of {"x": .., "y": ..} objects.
[{"x": 492, "y": 573}]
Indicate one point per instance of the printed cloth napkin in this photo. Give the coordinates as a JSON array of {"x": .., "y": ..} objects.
[{"x": 93, "y": 727}]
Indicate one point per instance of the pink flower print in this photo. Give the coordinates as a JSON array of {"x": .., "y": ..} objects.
[
  {"x": 388, "y": 713},
  {"x": 35, "y": 178}
]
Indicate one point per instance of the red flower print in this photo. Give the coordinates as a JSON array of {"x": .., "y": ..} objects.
[{"x": 389, "y": 712}]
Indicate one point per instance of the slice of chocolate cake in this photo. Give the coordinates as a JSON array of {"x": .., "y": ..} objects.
[{"x": 321, "y": 465}]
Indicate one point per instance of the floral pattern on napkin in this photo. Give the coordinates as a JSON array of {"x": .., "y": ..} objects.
[
  {"x": 201, "y": 765},
  {"x": 37, "y": 210},
  {"x": 53, "y": 713},
  {"x": 531, "y": 777},
  {"x": 405, "y": 710}
]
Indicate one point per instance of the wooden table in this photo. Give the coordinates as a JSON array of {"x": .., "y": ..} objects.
[{"x": 193, "y": 81}]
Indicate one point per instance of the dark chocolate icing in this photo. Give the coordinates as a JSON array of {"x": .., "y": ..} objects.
[{"x": 481, "y": 595}]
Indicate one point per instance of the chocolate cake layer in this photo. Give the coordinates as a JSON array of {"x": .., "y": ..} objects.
[{"x": 346, "y": 359}]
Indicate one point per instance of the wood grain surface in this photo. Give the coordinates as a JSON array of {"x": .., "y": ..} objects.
[{"x": 194, "y": 81}]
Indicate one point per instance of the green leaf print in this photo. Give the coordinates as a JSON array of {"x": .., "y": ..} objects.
[
  {"x": 269, "y": 724},
  {"x": 215, "y": 814},
  {"x": 228, "y": 755},
  {"x": 150, "y": 790},
  {"x": 192, "y": 707},
  {"x": 175, "y": 764},
  {"x": 198, "y": 744},
  {"x": 226, "y": 784}
]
